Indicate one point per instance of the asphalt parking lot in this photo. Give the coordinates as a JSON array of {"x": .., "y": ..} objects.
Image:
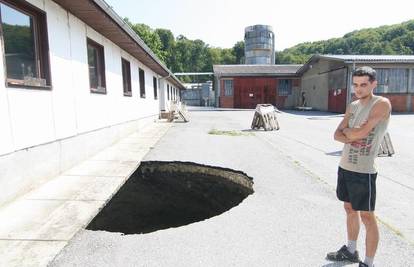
[{"x": 292, "y": 219}]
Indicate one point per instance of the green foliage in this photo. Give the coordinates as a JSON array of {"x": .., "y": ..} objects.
[
  {"x": 385, "y": 40},
  {"x": 19, "y": 39},
  {"x": 238, "y": 51},
  {"x": 183, "y": 55},
  {"x": 150, "y": 38}
]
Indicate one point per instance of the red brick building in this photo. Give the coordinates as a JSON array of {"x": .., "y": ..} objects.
[{"x": 245, "y": 86}]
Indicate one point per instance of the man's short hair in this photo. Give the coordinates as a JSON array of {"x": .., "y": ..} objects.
[{"x": 365, "y": 71}]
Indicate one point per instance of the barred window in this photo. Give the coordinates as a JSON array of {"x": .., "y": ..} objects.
[
  {"x": 285, "y": 87},
  {"x": 392, "y": 80},
  {"x": 228, "y": 87}
]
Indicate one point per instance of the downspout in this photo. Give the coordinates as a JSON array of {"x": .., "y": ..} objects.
[
  {"x": 349, "y": 91},
  {"x": 409, "y": 92},
  {"x": 218, "y": 91},
  {"x": 164, "y": 97}
]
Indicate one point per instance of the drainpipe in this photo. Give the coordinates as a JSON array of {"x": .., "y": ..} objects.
[
  {"x": 218, "y": 91},
  {"x": 164, "y": 97},
  {"x": 409, "y": 93},
  {"x": 349, "y": 93}
]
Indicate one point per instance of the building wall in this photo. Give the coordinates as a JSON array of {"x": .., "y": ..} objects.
[
  {"x": 294, "y": 99},
  {"x": 226, "y": 101},
  {"x": 400, "y": 102},
  {"x": 318, "y": 81},
  {"x": 166, "y": 98},
  {"x": 412, "y": 102},
  {"x": 250, "y": 91},
  {"x": 48, "y": 131}
]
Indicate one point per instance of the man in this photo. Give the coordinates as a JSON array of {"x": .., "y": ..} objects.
[{"x": 361, "y": 130}]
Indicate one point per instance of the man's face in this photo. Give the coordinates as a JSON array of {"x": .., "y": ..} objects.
[{"x": 362, "y": 86}]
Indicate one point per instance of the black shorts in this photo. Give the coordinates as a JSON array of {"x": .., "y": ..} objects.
[{"x": 357, "y": 188}]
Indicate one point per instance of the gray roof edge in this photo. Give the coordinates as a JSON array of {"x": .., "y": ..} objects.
[
  {"x": 258, "y": 74},
  {"x": 370, "y": 58},
  {"x": 398, "y": 59},
  {"x": 118, "y": 20}
]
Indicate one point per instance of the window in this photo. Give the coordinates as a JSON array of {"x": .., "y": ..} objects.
[
  {"x": 142, "y": 83},
  {"x": 392, "y": 80},
  {"x": 228, "y": 87},
  {"x": 26, "y": 51},
  {"x": 126, "y": 77},
  {"x": 96, "y": 63},
  {"x": 285, "y": 87},
  {"x": 155, "y": 85},
  {"x": 168, "y": 91},
  {"x": 411, "y": 89}
]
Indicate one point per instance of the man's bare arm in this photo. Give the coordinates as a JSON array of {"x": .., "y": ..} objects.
[
  {"x": 339, "y": 135},
  {"x": 380, "y": 111}
]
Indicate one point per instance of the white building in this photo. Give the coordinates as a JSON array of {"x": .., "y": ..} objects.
[{"x": 74, "y": 78}]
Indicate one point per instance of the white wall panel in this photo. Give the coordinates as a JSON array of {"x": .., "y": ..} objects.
[
  {"x": 62, "y": 74},
  {"x": 31, "y": 116},
  {"x": 6, "y": 141}
]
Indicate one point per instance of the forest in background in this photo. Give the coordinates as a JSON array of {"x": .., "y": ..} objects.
[{"x": 181, "y": 54}]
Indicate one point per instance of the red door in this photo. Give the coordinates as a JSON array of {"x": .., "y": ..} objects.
[{"x": 337, "y": 100}]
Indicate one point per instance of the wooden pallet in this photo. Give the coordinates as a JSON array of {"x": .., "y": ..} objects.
[
  {"x": 386, "y": 147},
  {"x": 265, "y": 117}
]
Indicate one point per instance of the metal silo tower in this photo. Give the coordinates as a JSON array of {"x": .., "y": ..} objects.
[{"x": 259, "y": 44}]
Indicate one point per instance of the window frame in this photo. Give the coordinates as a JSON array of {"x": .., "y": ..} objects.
[
  {"x": 386, "y": 82},
  {"x": 41, "y": 46},
  {"x": 281, "y": 91},
  {"x": 155, "y": 85},
  {"x": 141, "y": 83},
  {"x": 228, "y": 91},
  {"x": 100, "y": 89},
  {"x": 126, "y": 77}
]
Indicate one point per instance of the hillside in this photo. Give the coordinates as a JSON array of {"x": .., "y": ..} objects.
[
  {"x": 183, "y": 55},
  {"x": 395, "y": 39}
]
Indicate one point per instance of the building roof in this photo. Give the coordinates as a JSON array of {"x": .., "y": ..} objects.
[
  {"x": 101, "y": 17},
  {"x": 256, "y": 70},
  {"x": 371, "y": 58},
  {"x": 350, "y": 59}
]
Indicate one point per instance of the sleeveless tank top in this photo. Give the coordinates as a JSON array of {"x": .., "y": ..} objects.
[{"x": 362, "y": 159}]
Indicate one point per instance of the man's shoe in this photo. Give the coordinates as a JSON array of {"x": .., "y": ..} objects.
[
  {"x": 343, "y": 255},
  {"x": 361, "y": 264}
]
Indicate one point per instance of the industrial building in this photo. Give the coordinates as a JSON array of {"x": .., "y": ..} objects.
[
  {"x": 327, "y": 80},
  {"x": 245, "y": 86},
  {"x": 78, "y": 80},
  {"x": 198, "y": 94}
]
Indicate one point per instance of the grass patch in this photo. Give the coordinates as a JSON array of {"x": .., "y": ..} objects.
[{"x": 229, "y": 133}]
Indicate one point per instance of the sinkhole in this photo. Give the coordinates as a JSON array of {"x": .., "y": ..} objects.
[{"x": 161, "y": 195}]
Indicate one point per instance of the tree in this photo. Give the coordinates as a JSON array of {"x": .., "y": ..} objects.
[
  {"x": 238, "y": 52},
  {"x": 150, "y": 38}
]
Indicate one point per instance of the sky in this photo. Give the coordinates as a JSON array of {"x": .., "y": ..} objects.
[{"x": 221, "y": 23}]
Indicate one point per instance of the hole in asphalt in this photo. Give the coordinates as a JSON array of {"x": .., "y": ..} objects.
[{"x": 161, "y": 195}]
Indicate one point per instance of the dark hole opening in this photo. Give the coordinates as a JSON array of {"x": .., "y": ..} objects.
[{"x": 161, "y": 195}]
